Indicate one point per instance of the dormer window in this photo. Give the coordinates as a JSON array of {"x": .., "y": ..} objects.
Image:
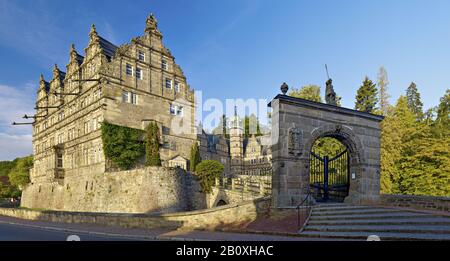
[
  {"x": 141, "y": 56},
  {"x": 129, "y": 69},
  {"x": 164, "y": 65}
]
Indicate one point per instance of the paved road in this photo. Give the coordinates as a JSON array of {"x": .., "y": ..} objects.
[
  {"x": 11, "y": 232},
  {"x": 18, "y": 229}
]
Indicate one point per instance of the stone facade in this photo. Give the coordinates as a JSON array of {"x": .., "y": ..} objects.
[
  {"x": 129, "y": 85},
  {"x": 298, "y": 123}
]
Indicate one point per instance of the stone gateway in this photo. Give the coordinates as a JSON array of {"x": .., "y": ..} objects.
[{"x": 297, "y": 124}]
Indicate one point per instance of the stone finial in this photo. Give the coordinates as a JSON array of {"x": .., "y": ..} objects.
[
  {"x": 151, "y": 23},
  {"x": 55, "y": 71},
  {"x": 93, "y": 35},
  {"x": 41, "y": 78},
  {"x": 284, "y": 88},
  {"x": 73, "y": 53}
]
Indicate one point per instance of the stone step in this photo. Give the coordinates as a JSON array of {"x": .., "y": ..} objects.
[
  {"x": 382, "y": 235},
  {"x": 393, "y": 221},
  {"x": 354, "y": 211},
  {"x": 400, "y": 214},
  {"x": 435, "y": 229}
]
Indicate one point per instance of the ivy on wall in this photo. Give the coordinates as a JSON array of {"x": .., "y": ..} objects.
[{"x": 122, "y": 145}]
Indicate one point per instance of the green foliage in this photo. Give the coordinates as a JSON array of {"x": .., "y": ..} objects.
[
  {"x": 414, "y": 102},
  {"x": 251, "y": 126},
  {"x": 195, "y": 157},
  {"x": 366, "y": 97},
  {"x": 19, "y": 175},
  {"x": 17, "y": 172},
  {"x": 307, "y": 92},
  {"x": 7, "y": 166},
  {"x": 207, "y": 171},
  {"x": 122, "y": 145},
  {"x": 328, "y": 146},
  {"x": 414, "y": 159},
  {"x": 441, "y": 126},
  {"x": 152, "y": 146}
]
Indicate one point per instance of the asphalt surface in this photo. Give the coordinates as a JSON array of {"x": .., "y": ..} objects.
[
  {"x": 14, "y": 229},
  {"x": 11, "y": 232}
]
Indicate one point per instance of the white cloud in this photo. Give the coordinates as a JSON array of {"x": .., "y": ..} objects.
[
  {"x": 15, "y": 141},
  {"x": 13, "y": 146}
]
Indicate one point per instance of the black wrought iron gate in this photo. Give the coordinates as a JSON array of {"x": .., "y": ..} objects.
[{"x": 329, "y": 177}]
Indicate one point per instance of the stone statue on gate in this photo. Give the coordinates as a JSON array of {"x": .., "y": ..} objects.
[{"x": 330, "y": 95}]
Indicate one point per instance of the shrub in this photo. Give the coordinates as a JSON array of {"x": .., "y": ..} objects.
[{"x": 207, "y": 171}]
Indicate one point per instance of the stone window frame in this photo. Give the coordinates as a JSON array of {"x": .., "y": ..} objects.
[
  {"x": 141, "y": 55},
  {"x": 129, "y": 69},
  {"x": 139, "y": 73},
  {"x": 168, "y": 83},
  {"x": 164, "y": 64}
]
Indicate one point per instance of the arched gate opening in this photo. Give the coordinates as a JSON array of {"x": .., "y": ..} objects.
[{"x": 329, "y": 176}]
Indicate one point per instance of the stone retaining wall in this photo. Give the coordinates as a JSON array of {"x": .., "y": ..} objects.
[
  {"x": 417, "y": 202},
  {"x": 199, "y": 219}
]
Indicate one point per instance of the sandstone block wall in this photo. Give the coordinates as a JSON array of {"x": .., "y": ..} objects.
[
  {"x": 417, "y": 202},
  {"x": 150, "y": 189}
]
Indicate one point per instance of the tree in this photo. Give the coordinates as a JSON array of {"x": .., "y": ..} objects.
[
  {"x": 383, "y": 82},
  {"x": 207, "y": 171},
  {"x": 195, "y": 157},
  {"x": 307, "y": 92},
  {"x": 152, "y": 157},
  {"x": 19, "y": 175},
  {"x": 251, "y": 126},
  {"x": 395, "y": 130},
  {"x": 441, "y": 126},
  {"x": 414, "y": 102},
  {"x": 366, "y": 97}
]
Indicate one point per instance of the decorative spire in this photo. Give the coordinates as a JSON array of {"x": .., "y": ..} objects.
[
  {"x": 93, "y": 35},
  {"x": 55, "y": 71},
  {"x": 73, "y": 53},
  {"x": 41, "y": 78},
  {"x": 151, "y": 23}
]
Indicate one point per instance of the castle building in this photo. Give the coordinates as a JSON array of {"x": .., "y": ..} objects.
[
  {"x": 241, "y": 156},
  {"x": 128, "y": 85}
]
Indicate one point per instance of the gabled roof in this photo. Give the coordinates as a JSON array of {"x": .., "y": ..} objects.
[
  {"x": 79, "y": 59},
  {"x": 108, "y": 48}
]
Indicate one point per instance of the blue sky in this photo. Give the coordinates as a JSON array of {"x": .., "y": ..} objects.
[{"x": 233, "y": 49}]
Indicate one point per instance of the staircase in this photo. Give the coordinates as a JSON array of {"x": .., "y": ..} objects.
[{"x": 344, "y": 221}]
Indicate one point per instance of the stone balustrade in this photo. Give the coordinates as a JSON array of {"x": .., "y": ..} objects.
[{"x": 255, "y": 185}]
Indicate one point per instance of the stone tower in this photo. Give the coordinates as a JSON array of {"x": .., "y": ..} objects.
[{"x": 236, "y": 144}]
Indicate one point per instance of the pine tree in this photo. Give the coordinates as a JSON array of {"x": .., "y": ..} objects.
[
  {"x": 152, "y": 145},
  {"x": 366, "y": 97},
  {"x": 383, "y": 82},
  {"x": 414, "y": 102},
  {"x": 441, "y": 125},
  {"x": 195, "y": 157}
]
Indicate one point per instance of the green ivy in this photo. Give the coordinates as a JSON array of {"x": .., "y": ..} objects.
[{"x": 122, "y": 145}]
